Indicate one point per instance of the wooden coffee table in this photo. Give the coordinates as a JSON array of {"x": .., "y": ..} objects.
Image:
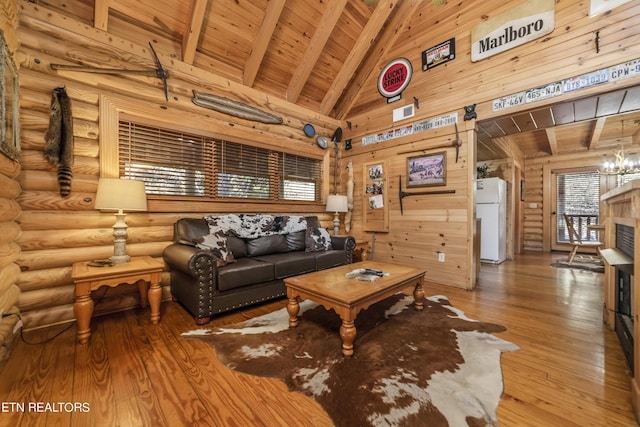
[{"x": 347, "y": 297}]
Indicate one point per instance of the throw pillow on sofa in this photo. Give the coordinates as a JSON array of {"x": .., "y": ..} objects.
[
  {"x": 317, "y": 239},
  {"x": 217, "y": 244},
  {"x": 266, "y": 245}
]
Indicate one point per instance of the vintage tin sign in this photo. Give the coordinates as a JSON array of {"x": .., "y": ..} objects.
[
  {"x": 522, "y": 24},
  {"x": 394, "y": 79},
  {"x": 438, "y": 55}
]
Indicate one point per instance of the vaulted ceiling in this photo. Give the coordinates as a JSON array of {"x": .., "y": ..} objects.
[
  {"x": 313, "y": 53},
  {"x": 318, "y": 54}
]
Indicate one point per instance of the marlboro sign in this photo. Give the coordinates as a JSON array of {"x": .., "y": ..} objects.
[{"x": 522, "y": 24}]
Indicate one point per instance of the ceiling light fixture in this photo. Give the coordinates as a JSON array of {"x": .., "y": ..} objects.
[{"x": 621, "y": 165}]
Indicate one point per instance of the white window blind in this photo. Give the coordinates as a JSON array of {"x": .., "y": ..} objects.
[
  {"x": 175, "y": 163},
  {"x": 578, "y": 195},
  {"x": 623, "y": 179}
]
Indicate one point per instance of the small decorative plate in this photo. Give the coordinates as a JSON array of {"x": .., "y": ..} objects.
[
  {"x": 322, "y": 141},
  {"x": 309, "y": 130}
]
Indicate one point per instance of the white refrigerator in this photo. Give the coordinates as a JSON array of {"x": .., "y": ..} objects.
[{"x": 491, "y": 208}]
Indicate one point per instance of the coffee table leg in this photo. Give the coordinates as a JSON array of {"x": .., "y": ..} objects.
[
  {"x": 418, "y": 296},
  {"x": 293, "y": 308},
  {"x": 348, "y": 335}
]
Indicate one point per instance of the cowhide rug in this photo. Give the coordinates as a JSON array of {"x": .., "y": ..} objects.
[{"x": 434, "y": 367}]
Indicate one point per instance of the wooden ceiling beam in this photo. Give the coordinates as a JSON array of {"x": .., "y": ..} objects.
[
  {"x": 552, "y": 140},
  {"x": 596, "y": 133},
  {"x": 323, "y": 31},
  {"x": 193, "y": 30},
  {"x": 101, "y": 14},
  {"x": 259, "y": 49},
  {"x": 383, "y": 45},
  {"x": 380, "y": 15}
]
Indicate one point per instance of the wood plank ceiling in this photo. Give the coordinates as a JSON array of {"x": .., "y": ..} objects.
[
  {"x": 311, "y": 53},
  {"x": 318, "y": 54},
  {"x": 608, "y": 120}
]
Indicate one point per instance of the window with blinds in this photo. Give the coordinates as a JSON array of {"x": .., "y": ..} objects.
[
  {"x": 176, "y": 163},
  {"x": 623, "y": 179},
  {"x": 578, "y": 195}
]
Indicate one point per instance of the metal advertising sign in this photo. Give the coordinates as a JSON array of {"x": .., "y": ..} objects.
[
  {"x": 438, "y": 55},
  {"x": 522, "y": 24},
  {"x": 395, "y": 78}
]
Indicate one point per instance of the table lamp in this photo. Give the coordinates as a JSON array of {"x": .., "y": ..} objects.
[
  {"x": 120, "y": 195},
  {"x": 336, "y": 203}
]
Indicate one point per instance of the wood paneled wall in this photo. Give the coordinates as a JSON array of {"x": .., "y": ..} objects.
[
  {"x": 428, "y": 224},
  {"x": 567, "y": 52},
  {"x": 9, "y": 211},
  {"x": 58, "y": 231}
]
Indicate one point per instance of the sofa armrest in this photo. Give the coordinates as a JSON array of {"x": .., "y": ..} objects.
[
  {"x": 187, "y": 259},
  {"x": 346, "y": 244}
]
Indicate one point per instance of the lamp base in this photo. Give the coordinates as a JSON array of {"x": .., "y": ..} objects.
[
  {"x": 119, "y": 259},
  {"x": 120, "y": 240},
  {"x": 336, "y": 224}
]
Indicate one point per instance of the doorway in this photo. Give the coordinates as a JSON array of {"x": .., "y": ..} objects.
[{"x": 575, "y": 192}]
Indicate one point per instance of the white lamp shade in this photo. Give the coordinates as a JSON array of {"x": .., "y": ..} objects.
[
  {"x": 337, "y": 203},
  {"x": 116, "y": 194}
]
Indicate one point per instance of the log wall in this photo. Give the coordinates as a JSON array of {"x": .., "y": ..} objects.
[
  {"x": 568, "y": 51},
  {"x": 9, "y": 211},
  {"x": 57, "y": 231}
]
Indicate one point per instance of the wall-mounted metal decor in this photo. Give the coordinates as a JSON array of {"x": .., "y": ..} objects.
[
  {"x": 439, "y": 54},
  {"x": 9, "y": 105}
]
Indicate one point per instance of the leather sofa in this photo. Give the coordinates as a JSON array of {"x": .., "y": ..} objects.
[{"x": 205, "y": 288}]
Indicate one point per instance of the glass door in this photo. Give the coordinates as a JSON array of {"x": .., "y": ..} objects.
[{"x": 577, "y": 194}]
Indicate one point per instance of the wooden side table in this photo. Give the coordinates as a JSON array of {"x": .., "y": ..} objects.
[{"x": 140, "y": 271}]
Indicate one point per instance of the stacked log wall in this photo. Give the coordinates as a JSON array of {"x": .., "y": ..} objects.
[
  {"x": 9, "y": 212},
  {"x": 58, "y": 231}
]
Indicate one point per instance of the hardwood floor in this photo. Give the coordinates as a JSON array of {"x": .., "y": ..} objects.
[{"x": 570, "y": 371}]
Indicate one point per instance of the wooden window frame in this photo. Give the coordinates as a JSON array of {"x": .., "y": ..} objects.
[{"x": 113, "y": 110}]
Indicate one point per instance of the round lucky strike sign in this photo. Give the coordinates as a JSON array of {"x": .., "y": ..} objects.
[{"x": 395, "y": 77}]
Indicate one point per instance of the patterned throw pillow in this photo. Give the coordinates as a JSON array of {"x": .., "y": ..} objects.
[
  {"x": 217, "y": 244},
  {"x": 317, "y": 239}
]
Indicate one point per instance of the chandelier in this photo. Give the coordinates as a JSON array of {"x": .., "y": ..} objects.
[{"x": 621, "y": 165}]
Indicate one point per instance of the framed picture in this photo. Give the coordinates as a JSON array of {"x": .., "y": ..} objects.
[
  {"x": 9, "y": 119},
  {"x": 427, "y": 170}
]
